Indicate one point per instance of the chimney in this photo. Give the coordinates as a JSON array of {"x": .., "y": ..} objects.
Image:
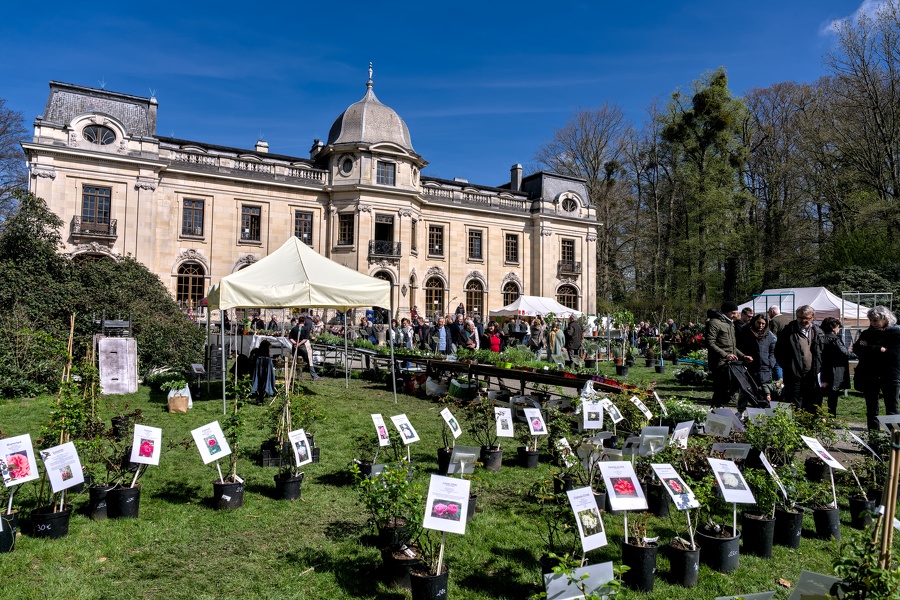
[
  {"x": 316, "y": 148},
  {"x": 153, "y": 106},
  {"x": 262, "y": 146},
  {"x": 515, "y": 178}
]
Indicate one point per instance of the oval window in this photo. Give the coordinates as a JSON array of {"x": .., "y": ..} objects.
[
  {"x": 347, "y": 166},
  {"x": 569, "y": 205},
  {"x": 98, "y": 134}
]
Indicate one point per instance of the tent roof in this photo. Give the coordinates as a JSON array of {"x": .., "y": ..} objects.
[
  {"x": 823, "y": 302},
  {"x": 530, "y": 306},
  {"x": 296, "y": 275}
]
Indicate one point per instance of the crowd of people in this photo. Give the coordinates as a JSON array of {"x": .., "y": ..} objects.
[{"x": 799, "y": 362}]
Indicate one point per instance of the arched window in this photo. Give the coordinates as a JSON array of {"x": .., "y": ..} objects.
[
  {"x": 475, "y": 297},
  {"x": 511, "y": 293},
  {"x": 567, "y": 296},
  {"x": 385, "y": 276},
  {"x": 434, "y": 296},
  {"x": 191, "y": 285}
]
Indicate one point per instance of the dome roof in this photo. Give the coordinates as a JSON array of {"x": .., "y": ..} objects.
[{"x": 370, "y": 122}]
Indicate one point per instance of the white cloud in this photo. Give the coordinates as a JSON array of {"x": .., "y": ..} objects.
[{"x": 868, "y": 8}]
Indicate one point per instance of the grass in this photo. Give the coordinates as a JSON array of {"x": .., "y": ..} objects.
[{"x": 320, "y": 547}]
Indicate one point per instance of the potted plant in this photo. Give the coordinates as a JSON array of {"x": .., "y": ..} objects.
[
  {"x": 866, "y": 474},
  {"x": 365, "y": 449},
  {"x": 858, "y": 562},
  {"x": 558, "y": 527},
  {"x": 228, "y": 492},
  {"x": 778, "y": 436},
  {"x": 288, "y": 480},
  {"x": 788, "y": 514},
  {"x": 639, "y": 555},
  {"x": 758, "y": 522},
  {"x": 482, "y": 425},
  {"x": 528, "y": 452},
  {"x": 590, "y": 354},
  {"x": 826, "y": 514},
  {"x": 392, "y": 501},
  {"x": 178, "y": 403},
  {"x": 720, "y": 543},
  {"x": 307, "y": 412},
  {"x": 428, "y": 580}
]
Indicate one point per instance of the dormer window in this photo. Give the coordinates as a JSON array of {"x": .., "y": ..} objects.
[
  {"x": 569, "y": 205},
  {"x": 386, "y": 173},
  {"x": 98, "y": 134}
]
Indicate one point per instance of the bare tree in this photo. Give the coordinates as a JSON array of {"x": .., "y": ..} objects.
[
  {"x": 590, "y": 146},
  {"x": 13, "y": 174}
]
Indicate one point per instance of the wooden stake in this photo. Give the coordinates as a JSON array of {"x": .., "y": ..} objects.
[
  {"x": 441, "y": 553},
  {"x": 219, "y": 469}
]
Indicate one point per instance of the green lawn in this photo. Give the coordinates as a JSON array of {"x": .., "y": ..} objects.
[{"x": 320, "y": 547}]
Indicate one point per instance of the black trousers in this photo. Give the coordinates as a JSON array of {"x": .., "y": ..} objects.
[{"x": 803, "y": 391}]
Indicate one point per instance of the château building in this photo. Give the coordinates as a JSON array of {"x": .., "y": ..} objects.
[{"x": 194, "y": 211}]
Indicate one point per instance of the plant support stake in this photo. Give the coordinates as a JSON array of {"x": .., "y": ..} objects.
[
  {"x": 136, "y": 473},
  {"x": 9, "y": 506},
  {"x": 219, "y": 469},
  {"x": 441, "y": 552},
  {"x": 834, "y": 503}
]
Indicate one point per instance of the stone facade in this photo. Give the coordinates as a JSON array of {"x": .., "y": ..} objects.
[{"x": 193, "y": 212}]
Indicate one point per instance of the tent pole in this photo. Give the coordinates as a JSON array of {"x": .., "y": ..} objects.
[
  {"x": 224, "y": 367},
  {"x": 393, "y": 365},
  {"x": 346, "y": 355}
]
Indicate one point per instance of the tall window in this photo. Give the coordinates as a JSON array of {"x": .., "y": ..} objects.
[
  {"x": 190, "y": 286},
  {"x": 192, "y": 218},
  {"x": 345, "y": 229},
  {"x": 434, "y": 296},
  {"x": 511, "y": 293},
  {"x": 251, "y": 217},
  {"x": 567, "y": 251},
  {"x": 475, "y": 251},
  {"x": 414, "y": 234},
  {"x": 386, "y": 172},
  {"x": 303, "y": 226},
  {"x": 95, "y": 204},
  {"x": 475, "y": 297},
  {"x": 435, "y": 240},
  {"x": 567, "y": 296},
  {"x": 512, "y": 248}
]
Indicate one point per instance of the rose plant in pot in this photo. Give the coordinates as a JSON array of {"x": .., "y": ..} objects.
[
  {"x": 558, "y": 528},
  {"x": 365, "y": 450},
  {"x": 758, "y": 520},
  {"x": 788, "y": 512},
  {"x": 481, "y": 423},
  {"x": 826, "y": 514},
  {"x": 228, "y": 491},
  {"x": 719, "y": 542},
  {"x": 289, "y": 479},
  {"x": 392, "y": 501},
  {"x": 639, "y": 554}
]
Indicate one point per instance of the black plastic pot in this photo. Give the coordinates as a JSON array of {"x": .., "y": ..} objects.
[
  {"x": 393, "y": 537},
  {"x": 611, "y": 442},
  {"x": 365, "y": 469},
  {"x": 10, "y": 528},
  {"x": 228, "y": 496},
  {"x": 600, "y": 499},
  {"x": 123, "y": 503},
  {"x": 396, "y": 567},
  {"x": 860, "y": 510},
  {"x": 443, "y": 459},
  {"x": 622, "y": 370},
  {"x": 48, "y": 524},
  {"x": 316, "y": 453},
  {"x": 491, "y": 458},
  {"x": 722, "y": 554},
  {"x": 590, "y": 363},
  {"x": 660, "y": 368},
  {"x": 287, "y": 486},
  {"x": 642, "y": 563},
  {"x": 429, "y": 587},
  {"x": 528, "y": 458},
  {"x": 684, "y": 565},
  {"x": 758, "y": 532},
  {"x": 658, "y": 499},
  {"x": 649, "y": 362},
  {"x": 828, "y": 523},
  {"x": 546, "y": 562},
  {"x": 788, "y": 525},
  {"x": 97, "y": 505},
  {"x": 563, "y": 483}
]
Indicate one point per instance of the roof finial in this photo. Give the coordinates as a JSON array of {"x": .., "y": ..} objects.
[{"x": 369, "y": 82}]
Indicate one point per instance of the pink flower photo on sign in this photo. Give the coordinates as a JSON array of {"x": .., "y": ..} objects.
[
  {"x": 18, "y": 465},
  {"x": 624, "y": 487},
  {"x": 146, "y": 448}
]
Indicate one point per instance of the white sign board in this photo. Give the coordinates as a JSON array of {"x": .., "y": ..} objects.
[
  {"x": 447, "y": 504},
  {"x": 680, "y": 435},
  {"x": 820, "y": 451},
  {"x": 587, "y": 516},
  {"x": 407, "y": 433},
  {"x": 535, "y": 420},
  {"x": 717, "y": 425},
  {"x": 593, "y": 577},
  {"x": 147, "y": 445},
  {"x": 504, "y": 419},
  {"x": 622, "y": 486},
  {"x": 211, "y": 442},
  {"x": 452, "y": 423},
  {"x": 592, "y": 414},
  {"x": 653, "y": 439},
  {"x": 662, "y": 406},
  {"x": 731, "y": 482},
  {"x": 614, "y": 413},
  {"x": 681, "y": 494},
  {"x": 732, "y": 451},
  {"x": 384, "y": 438},
  {"x": 641, "y": 407},
  {"x": 300, "y": 446},
  {"x": 17, "y": 462},
  {"x": 63, "y": 466}
]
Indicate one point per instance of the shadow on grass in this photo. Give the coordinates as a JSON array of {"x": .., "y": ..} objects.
[
  {"x": 500, "y": 582},
  {"x": 342, "y": 530},
  {"x": 180, "y": 492},
  {"x": 341, "y": 478},
  {"x": 353, "y": 571}
]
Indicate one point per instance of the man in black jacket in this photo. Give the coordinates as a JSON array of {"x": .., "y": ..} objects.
[{"x": 799, "y": 352}]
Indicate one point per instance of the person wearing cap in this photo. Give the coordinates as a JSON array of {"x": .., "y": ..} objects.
[
  {"x": 721, "y": 341},
  {"x": 799, "y": 352}
]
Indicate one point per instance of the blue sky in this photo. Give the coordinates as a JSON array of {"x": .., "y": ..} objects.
[{"x": 481, "y": 85}]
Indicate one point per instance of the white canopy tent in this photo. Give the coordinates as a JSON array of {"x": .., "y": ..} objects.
[
  {"x": 531, "y": 306},
  {"x": 294, "y": 276},
  {"x": 823, "y": 302}
]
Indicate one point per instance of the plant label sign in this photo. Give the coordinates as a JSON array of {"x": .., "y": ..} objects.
[
  {"x": 407, "y": 433},
  {"x": 593, "y": 578},
  {"x": 451, "y": 422},
  {"x": 681, "y": 434},
  {"x": 300, "y": 446},
  {"x": 813, "y": 585},
  {"x": 786, "y": 406},
  {"x": 681, "y": 494},
  {"x": 462, "y": 459},
  {"x": 504, "y": 420},
  {"x": 732, "y": 451},
  {"x": 735, "y": 420},
  {"x": 731, "y": 482},
  {"x": 853, "y": 435},
  {"x": 717, "y": 425},
  {"x": 592, "y": 414},
  {"x": 147, "y": 445},
  {"x": 662, "y": 406},
  {"x": 535, "y": 420},
  {"x": 17, "y": 462},
  {"x": 765, "y": 461},
  {"x": 890, "y": 423},
  {"x": 642, "y": 407},
  {"x": 63, "y": 466},
  {"x": 384, "y": 438},
  {"x": 632, "y": 445},
  {"x": 447, "y": 504},
  {"x": 566, "y": 453},
  {"x": 614, "y": 413},
  {"x": 622, "y": 486},
  {"x": 587, "y": 515},
  {"x": 758, "y": 413},
  {"x": 820, "y": 451},
  {"x": 211, "y": 442},
  {"x": 653, "y": 439}
]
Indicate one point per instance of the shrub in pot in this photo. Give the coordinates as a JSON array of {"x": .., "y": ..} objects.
[
  {"x": 365, "y": 451},
  {"x": 228, "y": 491},
  {"x": 558, "y": 528},
  {"x": 788, "y": 514},
  {"x": 639, "y": 555},
  {"x": 758, "y": 520},
  {"x": 826, "y": 514},
  {"x": 481, "y": 424},
  {"x": 392, "y": 501}
]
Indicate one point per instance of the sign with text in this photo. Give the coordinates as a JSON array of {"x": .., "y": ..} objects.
[
  {"x": 732, "y": 451},
  {"x": 63, "y": 466},
  {"x": 681, "y": 434},
  {"x": 17, "y": 462},
  {"x": 535, "y": 421},
  {"x": 384, "y": 438},
  {"x": 592, "y": 414},
  {"x": 717, "y": 425},
  {"x": 451, "y": 422},
  {"x": 211, "y": 442},
  {"x": 447, "y": 504},
  {"x": 504, "y": 421},
  {"x": 820, "y": 451},
  {"x": 731, "y": 482},
  {"x": 587, "y": 516},
  {"x": 614, "y": 413},
  {"x": 147, "y": 445},
  {"x": 622, "y": 486},
  {"x": 407, "y": 433},
  {"x": 300, "y": 446},
  {"x": 641, "y": 407},
  {"x": 681, "y": 494}
]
